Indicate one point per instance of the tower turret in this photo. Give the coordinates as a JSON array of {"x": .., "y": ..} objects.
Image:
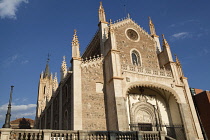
[{"x": 44, "y": 90}]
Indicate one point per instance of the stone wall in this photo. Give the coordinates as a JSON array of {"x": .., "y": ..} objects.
[
  {"x": 93, "y": 108},
  {"x": 67, "y": 104}
]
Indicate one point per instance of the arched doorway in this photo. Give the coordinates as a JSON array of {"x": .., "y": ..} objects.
[{"x": 154, "y": 109}]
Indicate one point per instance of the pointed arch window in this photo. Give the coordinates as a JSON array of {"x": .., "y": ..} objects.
[{"x": 135, "y": 58}]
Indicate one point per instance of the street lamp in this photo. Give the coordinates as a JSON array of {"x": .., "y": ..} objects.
[{"x": 8, "y": 115}]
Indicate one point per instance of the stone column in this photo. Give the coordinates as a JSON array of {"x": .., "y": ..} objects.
[
  {"x": 5, "y": 133},
  {"x": 60, "y": 108},
  {"x": 51, "y": 119},
  {"x": 117, "y": 117},
  {"x": 47, "y": 134},
  {"x": 77, "y": 94}
]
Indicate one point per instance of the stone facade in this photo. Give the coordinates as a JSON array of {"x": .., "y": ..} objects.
[{"x": 124, "y": 81}]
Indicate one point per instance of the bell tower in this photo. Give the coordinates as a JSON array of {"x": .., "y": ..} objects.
[{"x": 45, "y": 89}]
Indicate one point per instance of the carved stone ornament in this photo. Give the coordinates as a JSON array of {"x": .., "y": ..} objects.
[{"x": 142, "y": 98}]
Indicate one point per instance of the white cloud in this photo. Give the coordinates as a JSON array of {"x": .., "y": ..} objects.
[
  {"x": 203, "y": 52},
  {"x": 8, "y": 8},
  {"x": 10, "y": 60},
  {"x": 24, "y": 62},
  {"x": 181, "y": 35},
  {"x": 16, "y": 108}
]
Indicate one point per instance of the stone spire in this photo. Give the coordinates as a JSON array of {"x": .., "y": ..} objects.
[
  {"x": 152, "y": 27},
  {"x": 167, "y": 49},
  {"x": 63, "y": 68},
  {"x": 101, "y": 13},
  {"x": 47, "y": 69},
  {"x": 177, "y": 60},
  {"x": 165, "y": 43},
  {"x": 55, "y": 82},
  {"x": 179, "y": 66},
  {"x": 75, "y": 45}
]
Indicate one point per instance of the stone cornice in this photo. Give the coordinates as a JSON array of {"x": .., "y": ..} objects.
[
  {"x": 110, "y": 51},
  {"x": 102, "y": 22},
  {"x": 76, "y": 58},
  {"x": 154, "y": 35}
]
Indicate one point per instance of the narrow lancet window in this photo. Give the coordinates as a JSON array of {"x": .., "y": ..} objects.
[{"x": 135, "y": 58}]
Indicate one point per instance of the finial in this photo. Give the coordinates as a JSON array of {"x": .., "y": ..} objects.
[
  {"x": 150, "y": 18},
  {"x": 48, "y": 58},
  {"x": 110, "y": 21},
  {"x": 128, "y": 15},
  {"x": 75, "y": 31},
  {"x": 64, "y": 58},
  {"x": 163, "y": 36},
  {"x": 100, "y": 3}
]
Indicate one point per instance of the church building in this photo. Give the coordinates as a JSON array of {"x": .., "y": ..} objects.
[{"x": 126, "y": 80}]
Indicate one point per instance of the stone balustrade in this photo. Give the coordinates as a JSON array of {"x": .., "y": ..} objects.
[
  {"x": 47, "y": 134},
  {"x": 146, "y": 71}
]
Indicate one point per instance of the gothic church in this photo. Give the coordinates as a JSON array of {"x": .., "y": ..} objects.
[{"x": 124, "y": 81}]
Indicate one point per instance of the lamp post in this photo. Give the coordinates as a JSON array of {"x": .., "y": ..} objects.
[{"x": 8, "y": 115}]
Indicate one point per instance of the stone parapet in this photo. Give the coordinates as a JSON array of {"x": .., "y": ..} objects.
[
  {"x": 146, "y": 71},
  {"x": 92, "y": 61},
  {"x": 48, "y": 134}
]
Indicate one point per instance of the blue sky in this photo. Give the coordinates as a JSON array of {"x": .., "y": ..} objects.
[{"x": 30, "y": 29}]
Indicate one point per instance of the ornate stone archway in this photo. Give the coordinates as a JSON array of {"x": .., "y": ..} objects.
[{"x": 152, "y": 85}]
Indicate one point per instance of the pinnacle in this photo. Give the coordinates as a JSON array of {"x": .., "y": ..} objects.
[
  {"x": 165, "y": 43},
  {"x": 75, "y": 41}
]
